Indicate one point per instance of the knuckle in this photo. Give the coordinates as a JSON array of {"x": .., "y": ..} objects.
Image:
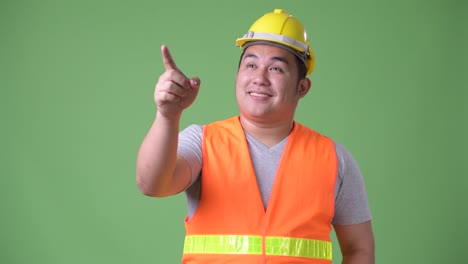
[{"x": 166, "y": 97}]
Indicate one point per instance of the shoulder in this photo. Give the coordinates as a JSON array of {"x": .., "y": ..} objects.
[
  {"x": 193, "y": 129},
  {"x": 346, "y": 163},
  {"x": 342, "y": 153},
  {"x": 311, "y": 133},
  {"x": 226, "y": 124},
  {"x": 190, "y": 137}
]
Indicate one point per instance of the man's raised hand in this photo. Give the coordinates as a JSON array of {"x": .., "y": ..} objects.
[{"x": 174, "y": 91}]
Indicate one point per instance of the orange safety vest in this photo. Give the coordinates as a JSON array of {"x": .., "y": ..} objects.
[{"x": 231, "y": 224}]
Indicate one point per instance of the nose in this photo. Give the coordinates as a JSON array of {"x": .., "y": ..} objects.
[{"x": 260, "y": 77}]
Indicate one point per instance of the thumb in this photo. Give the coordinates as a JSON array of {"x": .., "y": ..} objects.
[{"x": 195, "y": 82}]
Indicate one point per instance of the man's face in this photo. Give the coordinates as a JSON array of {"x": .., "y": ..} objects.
[{"x": 267, "y": 86}]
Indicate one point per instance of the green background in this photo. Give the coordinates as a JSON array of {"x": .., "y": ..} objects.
[{"x": 77, "y": 80}]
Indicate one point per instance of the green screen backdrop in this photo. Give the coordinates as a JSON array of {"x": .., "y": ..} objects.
[{"x": 77, "y": 80}]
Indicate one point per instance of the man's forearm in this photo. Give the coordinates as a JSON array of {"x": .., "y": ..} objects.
[{"x": 157, "y": 156}]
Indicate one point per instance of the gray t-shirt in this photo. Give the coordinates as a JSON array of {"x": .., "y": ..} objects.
[{"x": 351, "y": 206}]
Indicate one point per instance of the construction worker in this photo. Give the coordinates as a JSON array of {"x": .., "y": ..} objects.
[{"x": 260, "y": 186}]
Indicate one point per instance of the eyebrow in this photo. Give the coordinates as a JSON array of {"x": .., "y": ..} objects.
[{"x": 275, "y": 58}]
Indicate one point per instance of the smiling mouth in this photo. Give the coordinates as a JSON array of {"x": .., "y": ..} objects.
[{"x": 259, "y": 94}]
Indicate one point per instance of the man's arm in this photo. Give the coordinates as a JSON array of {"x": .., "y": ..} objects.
[
  {"x": 356, "y": 243},
  {"x": 159, "y": 170}
]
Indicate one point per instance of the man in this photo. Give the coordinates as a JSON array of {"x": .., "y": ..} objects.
[{"x": 260, "y": 187}]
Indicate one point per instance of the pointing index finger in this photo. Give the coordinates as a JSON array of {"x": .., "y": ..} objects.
[{"x": 168, "y": 61}]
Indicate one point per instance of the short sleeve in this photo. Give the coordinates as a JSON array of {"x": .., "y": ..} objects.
[
  {"x": 351, "y": 204},
  {"x": 190, "y": 148}
]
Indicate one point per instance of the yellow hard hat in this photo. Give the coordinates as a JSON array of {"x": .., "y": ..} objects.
[{"x": 281, "y": 28}]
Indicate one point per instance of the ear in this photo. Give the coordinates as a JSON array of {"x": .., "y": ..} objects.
[{"x": 303, "y": 87}]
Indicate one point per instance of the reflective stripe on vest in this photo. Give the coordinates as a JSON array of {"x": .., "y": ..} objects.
[{"x": 274, "y": 246}]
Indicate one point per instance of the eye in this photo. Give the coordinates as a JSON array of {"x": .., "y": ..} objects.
[
  {"x": 250, "y": 65},
  {"x": 276, "y": 69}
]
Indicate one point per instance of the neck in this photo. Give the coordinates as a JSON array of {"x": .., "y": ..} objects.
[{"x": 269, "y": 134}]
